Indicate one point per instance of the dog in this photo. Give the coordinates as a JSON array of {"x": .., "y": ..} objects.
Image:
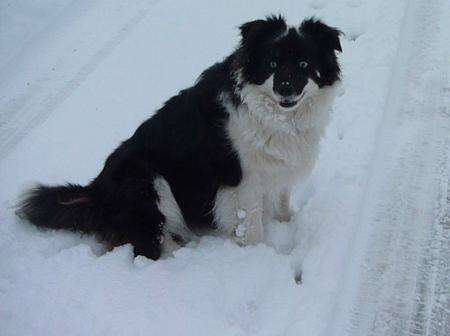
[{"x": 220, "y": 157}]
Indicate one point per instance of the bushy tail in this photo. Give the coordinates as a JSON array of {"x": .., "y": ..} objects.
[{"x": 68, "y": 207}]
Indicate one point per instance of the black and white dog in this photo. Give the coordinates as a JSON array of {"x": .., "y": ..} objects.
[{"x": 221, "y": 156}]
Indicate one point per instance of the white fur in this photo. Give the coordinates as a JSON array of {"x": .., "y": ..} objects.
[
  {"x": 286, "y": 31},
  {"x": 277, "y": 147},
  {"x": 174, "y": 218}
]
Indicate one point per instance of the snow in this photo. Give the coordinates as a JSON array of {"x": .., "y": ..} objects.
[
  {"x": 21, "y": 21},
  {"x": 78, "y": 77},
  {"x": 241, "y": 214}
]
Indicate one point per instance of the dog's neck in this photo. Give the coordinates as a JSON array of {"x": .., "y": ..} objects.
[{"x": 311, "y": 113}]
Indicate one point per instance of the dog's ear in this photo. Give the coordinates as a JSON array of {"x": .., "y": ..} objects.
[
  {"x": 251, "y": 29},
  {"x": 260, "y": 30},
  {"x": 326, "y": 35}
]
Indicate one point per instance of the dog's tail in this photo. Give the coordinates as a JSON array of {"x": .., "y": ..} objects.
[{"x": 69, "y": 207}]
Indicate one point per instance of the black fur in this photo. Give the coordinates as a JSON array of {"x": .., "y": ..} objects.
[{"x": 185, "y": 142}]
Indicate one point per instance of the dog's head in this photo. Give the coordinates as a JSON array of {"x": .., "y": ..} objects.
[{"x": 286, "y": 63}]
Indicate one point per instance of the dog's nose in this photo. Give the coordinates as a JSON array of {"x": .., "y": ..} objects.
[{"x": 285, "y": 88}]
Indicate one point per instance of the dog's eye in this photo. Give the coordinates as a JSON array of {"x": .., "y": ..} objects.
[
  {"x": 303, "y": 64},
  {"x": 273, "y": 64}
]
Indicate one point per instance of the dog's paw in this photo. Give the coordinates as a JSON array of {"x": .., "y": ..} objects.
[
  {"x": 245, "y": 234},
  {"x": 285, "y": 216},
  {"x": 239, "y": 236}
]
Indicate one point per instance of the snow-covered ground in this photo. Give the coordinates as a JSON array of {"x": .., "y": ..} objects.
[{"x": 371, "y": 240}]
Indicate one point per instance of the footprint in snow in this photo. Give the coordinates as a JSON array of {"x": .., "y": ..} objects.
[
  {"x": 355, "y": 31},
  {"x": 318, "y": 4},
  {"x": 354, "y": 3}
]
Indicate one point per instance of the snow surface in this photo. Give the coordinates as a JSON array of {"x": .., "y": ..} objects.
[{"x": 76, "y": 78}]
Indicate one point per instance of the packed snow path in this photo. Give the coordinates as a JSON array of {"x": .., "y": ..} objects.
[
  {"x": 399, "y": 283},
  {"x": 371, "y": 239},
  {"x": 54, "y": 64}
]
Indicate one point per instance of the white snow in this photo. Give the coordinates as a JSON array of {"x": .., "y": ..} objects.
[
  {"x": 241, "y": 214},
  {"x": 76, "y": 78}
]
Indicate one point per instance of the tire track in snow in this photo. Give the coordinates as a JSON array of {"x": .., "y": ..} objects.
[
  {"x": 46, "y": 90},
  {"x": 432, "y": 313},
  {"x": 398, "y": 278}
]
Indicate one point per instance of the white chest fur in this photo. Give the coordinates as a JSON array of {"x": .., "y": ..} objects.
[
  {"x": 274, "y": 143},
  {"x": 276, "y": 149}
]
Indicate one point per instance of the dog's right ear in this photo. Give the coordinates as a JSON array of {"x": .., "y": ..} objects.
[
  {"x": 250, "y": 30},
  {"x": 258, "y": 31}
]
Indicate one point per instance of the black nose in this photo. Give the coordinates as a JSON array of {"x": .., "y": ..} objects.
[{"x": 285, "y": 88}]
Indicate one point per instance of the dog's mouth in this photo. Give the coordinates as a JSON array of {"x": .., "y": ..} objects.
[{"x": 289, "y": 103}]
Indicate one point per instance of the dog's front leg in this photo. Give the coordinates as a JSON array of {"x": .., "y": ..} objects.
[
  {"x": 277, "y": 205},
  {"x": 285, "y": 212},
  {"x": 249, "y": 212}
]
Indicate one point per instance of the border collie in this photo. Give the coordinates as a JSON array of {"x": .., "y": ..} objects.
[{"x": 221, "y": 156}]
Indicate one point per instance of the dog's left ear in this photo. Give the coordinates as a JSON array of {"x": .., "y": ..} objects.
[{"x": 328, "y": 36}]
